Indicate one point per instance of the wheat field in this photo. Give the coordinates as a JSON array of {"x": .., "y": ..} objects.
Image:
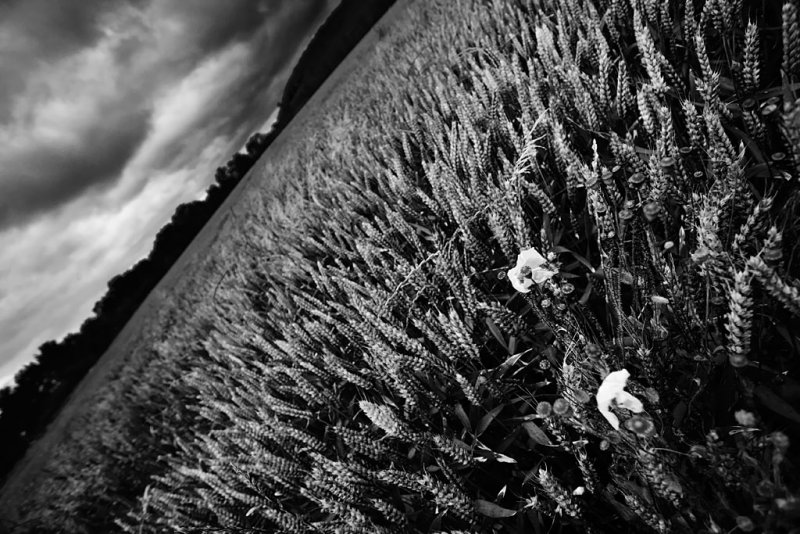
[{"x": 534, "y": 269}]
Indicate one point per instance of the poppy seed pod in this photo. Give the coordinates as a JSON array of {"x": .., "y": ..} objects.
[
  {"x": 685, "y": 150},
  {"x": 651, "y": 210},
  {"x": 636, "y": 179},
  {"x": 641, "y": 426},
  {"x": 765, "y": 488},
  {"x": 778, "y": 156},
  {"x": 668, "y": 163},
  {"x": 561, "y": 406},
  {"x": 544, "y": 409},
  {"x": 773, "y": 254},
  {"x": 580, "y": 396},
  {"x": 698, "y": 174}
]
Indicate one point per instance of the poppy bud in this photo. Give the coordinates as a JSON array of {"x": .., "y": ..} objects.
[
  {"x": 561, "y": 406},
  {"x": 544, "y": 409},
  {"x": 651, "y": 210}
]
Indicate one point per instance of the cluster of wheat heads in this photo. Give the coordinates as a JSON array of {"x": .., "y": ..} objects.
[
  {"x": 369, "y": 365},
  {"x": 108, "y": 453}
]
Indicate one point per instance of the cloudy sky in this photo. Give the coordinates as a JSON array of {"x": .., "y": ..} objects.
[{"x": 113, "y": 112}]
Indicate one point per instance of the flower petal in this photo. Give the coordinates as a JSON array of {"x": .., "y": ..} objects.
[
  {"x": 612, "y": 389},
  {"x": 520, "y": 283},
  {"x": 626, "y": 400},
  {"x": 613, "y": 383},
  {"x": 531, "y": 258},
  {"x": 613, "y": 419},
  {"x": 540, "y": 276}
]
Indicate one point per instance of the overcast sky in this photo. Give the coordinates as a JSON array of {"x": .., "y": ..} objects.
[{"x": 113, "y": 112}]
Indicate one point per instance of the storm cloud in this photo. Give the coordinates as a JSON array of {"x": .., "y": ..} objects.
[
  {"x": 80, "y": 101},
  {"x": 112, "y": 113}
]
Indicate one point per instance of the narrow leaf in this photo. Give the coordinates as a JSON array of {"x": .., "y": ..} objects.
[
  {"x": 512, "y": 344},
  {"x": 498, "y": 335},
  {"x": 490, "y": 509},
  {"x": 575, "y": 255},
  {"x": 487, "y": 419},
  {"x": 462, "y": 416},
  {"x": 587, "y": 292},
  {"x": 536, "y": 433},
  {"x": 772, "y": 401},
  {"x": 506, "y": 365}
]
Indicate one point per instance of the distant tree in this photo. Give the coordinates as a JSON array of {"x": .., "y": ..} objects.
[{"x": 256, "y": 145}]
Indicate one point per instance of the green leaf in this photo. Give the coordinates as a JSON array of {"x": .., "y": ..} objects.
[
  {"x": 490, "y": 509},
  {"x": 462, "y": 416},
  {"x": 583, "y": 260},
  {"x": 775, "y": 91},
  {"x": 503, "y": 368},
  {"x": 483, "y": 453},
  {"x": 536, "y": 433},
  {"x": 487, "y": 419},
  {"x": 512, "y": 344},
  {"x": 772, "y": 401},
  {"x": 507, "y": 441},
  {"x": 726, "y": 84},
  {"x": 503, "y": 459},
  {"x": 587, "y": 292},
  {"x": 760, "y": 170},
  {"x": 749, "y": 143},
  {"x": 498, "y": 335}
]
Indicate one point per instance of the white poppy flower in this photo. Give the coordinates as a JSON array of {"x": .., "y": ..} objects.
[
  {"x": 613, "y": 389},
  {"x": 529, "y": 270}
]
